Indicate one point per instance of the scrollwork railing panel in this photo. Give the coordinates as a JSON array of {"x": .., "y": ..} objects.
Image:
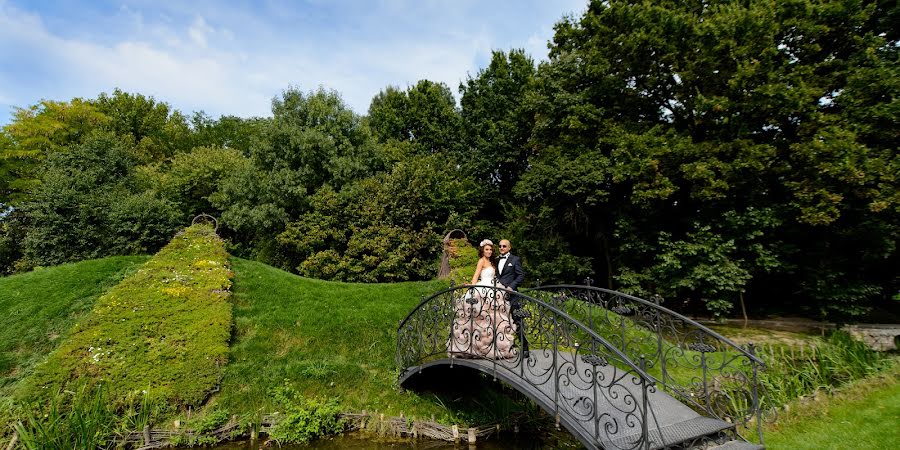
[
  {"x": 570, "y": 367},
  {"x": 707, "y": 371}
]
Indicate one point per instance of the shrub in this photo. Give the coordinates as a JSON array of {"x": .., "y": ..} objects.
[
  {"x": 304, "y": 419},
  {"x": 463, "y": 259}
]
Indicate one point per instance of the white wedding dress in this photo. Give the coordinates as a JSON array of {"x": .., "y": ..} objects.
[
  {"x": 482, "y": 327},
  {"x": 486, "y": 278}
]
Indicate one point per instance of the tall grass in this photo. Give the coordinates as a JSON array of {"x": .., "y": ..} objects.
[
  {"x": 832, "y": 362},
  {"x": 862, "y": 414},
  {"x": 83, "y": 419},
  {"x": 73, "y": 419}
]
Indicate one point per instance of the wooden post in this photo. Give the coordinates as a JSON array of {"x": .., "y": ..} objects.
[
  {"x": 146, "y": 434},
  {"x": 455, "y": 430},
  {"x": 471, "y": 435}
]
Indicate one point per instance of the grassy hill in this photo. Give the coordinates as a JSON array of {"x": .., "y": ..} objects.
[
  {"x": 39, "y": 309},
  {"x": 326, "y": 340},
  {"x": 323, "y": 338}
]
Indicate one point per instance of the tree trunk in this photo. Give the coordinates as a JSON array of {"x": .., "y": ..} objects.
[{"x": 743, "y": 308}]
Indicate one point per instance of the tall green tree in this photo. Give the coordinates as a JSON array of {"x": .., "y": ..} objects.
[
  {"x": 496, "y": 123},
  {"x": 37, "y": 132},
  {"x": 227, "y": 131},
  {"x": 383, "y": 228},
  {"x": 86, "y": 206},
  {"x": 157, "y": 130},
  {"x": 424, "y": 115},
  {"x": 722, "y": 135},
  {"x": 312, "y": 140}
]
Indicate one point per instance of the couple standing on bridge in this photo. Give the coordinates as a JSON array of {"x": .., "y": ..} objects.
[{"x": 488, "y": 317}]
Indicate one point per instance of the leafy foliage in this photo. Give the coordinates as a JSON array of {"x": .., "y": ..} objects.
[
  {"x": 681, "y": 141},
  {"x": 383, "y": 228},
  {"x": 304, "y": 419},
  {"x": 85, "y": 207},
  {"x": 710, "y": 151},
  {"x": 463, "y": 259}
]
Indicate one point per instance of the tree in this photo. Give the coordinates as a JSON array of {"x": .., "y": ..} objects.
[
  {"x": 312, "y": 140},
  {"x": 191, "y": 178},
  {"x": 733, "y": 132},
  {"x": 424, "y": 115},
  {"x": 157, "y": 131},
  {"x": 35, "y": 133},
  {"x": 497, "y": 126},
  {"x": 383, "y": 228},
  {"x": 227, "y": 132},
  {"x": 85, "y": 206}
]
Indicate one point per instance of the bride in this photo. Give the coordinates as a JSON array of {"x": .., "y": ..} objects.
[{"x": 482, "y": 326}]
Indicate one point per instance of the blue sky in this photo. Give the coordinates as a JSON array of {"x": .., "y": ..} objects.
[{"x": 232, "y": 57}]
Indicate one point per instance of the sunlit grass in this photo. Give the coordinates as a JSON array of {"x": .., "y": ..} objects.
[
  {"x": 862, "y": 415},
  {"x": 323, "y": 338},
  {"x": 39, "y": 309}
]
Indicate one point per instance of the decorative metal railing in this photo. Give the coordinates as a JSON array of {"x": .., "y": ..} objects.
[
  {"x": 571, "y": 370},
  {"x": 707, "y": 371}
]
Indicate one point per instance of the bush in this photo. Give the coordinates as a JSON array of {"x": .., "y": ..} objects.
[
  {"x": 463, "y": 259},
  {"x": 304, "y": 419}
]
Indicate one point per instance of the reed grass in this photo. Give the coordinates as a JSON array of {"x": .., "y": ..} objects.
[{"x": 795, "y": 372}]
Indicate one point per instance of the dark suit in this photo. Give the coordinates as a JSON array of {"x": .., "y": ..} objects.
[{"x": 512, "y": 276}]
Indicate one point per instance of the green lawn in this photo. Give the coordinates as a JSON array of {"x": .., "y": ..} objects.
[
  {"x": 324, "y": 338},
  {"x": 330, "y": 339},
  {"x": 864, "y": 415},
  {"x": 39, "y": 308}
]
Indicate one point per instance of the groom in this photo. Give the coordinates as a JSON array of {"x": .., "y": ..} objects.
[{"x": 511, "y": 275}]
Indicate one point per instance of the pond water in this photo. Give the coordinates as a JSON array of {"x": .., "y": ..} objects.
[{"x": 361, "y": 442}]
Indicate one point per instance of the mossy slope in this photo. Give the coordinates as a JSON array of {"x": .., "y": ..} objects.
[
  {"x": 39, "y": 308},
  {"x": 165, "y": 328}
]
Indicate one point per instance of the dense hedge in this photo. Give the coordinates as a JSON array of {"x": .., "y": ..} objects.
[{"x": 164, "y": 329}]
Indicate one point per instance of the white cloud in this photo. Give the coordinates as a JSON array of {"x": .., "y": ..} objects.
[
  {"x": 198, "y": 31},
  {"x": 192, "y": 60}
]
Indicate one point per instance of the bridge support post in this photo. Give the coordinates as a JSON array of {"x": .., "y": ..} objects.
[
  {"x": 757, "y": 409},
  {"x": 644, "y": 432}
]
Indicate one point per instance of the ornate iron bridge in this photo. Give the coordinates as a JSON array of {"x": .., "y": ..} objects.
[{"x": 617, "y": 371}]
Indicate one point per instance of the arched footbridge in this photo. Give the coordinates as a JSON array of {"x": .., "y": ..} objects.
[{"x": 617, "y": 371}]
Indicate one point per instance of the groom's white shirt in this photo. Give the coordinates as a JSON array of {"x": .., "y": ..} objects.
[{"x": 502, "y": 263}]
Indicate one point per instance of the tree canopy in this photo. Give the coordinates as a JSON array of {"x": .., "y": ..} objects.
[{"x": 714, "y": 153}]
